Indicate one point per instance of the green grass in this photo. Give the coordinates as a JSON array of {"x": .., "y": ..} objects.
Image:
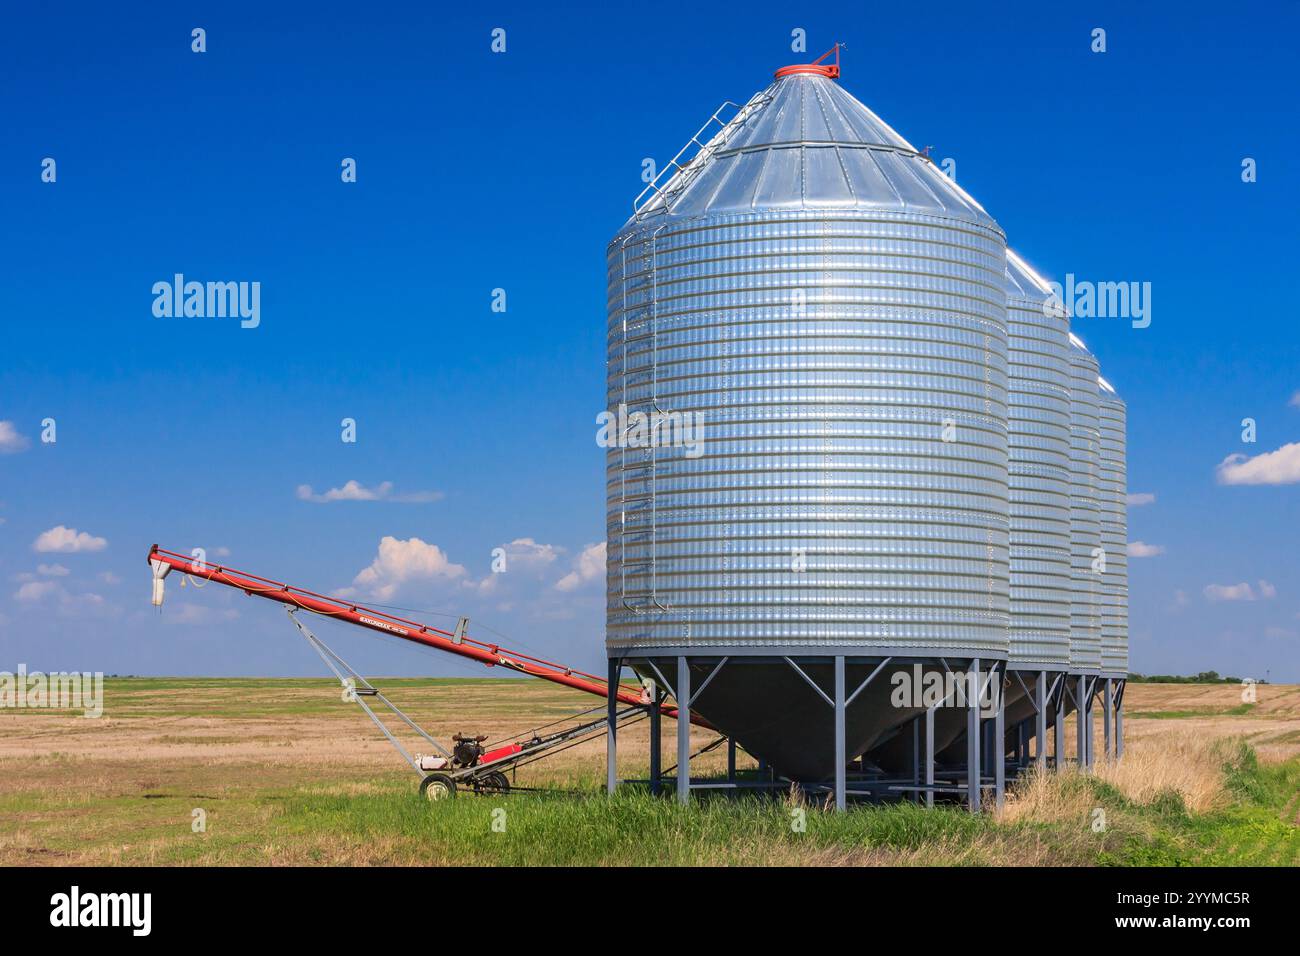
[
  {"x": 1241, "y": 710},
  {"x": 384, "y": 821},
  {"x": 1254, "y": 830},
  {"x": 635, "y": 828}
]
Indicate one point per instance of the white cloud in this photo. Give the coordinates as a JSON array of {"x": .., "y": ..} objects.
[
  {"x": 66, "y": 604},
  {"x": 1239, "y": 592},
  {"x": 1281, "y": 467},
  {"x": 522, "y": 554},
  {"x": 1230, "y": 592},
  {"x": 1140, "y": 549},
  {"x": 587, "y": 566},
  {"x": 52, "y": 570},
  {"x": 11, "y": 441},
  {"x": 108, "y": 577},
  {"x": 1295, "y": 400},
  {"x": 36, "y": 590},
  {"x": 351, "y": 491},
  {"x": 530, "y": 555},
  {"x": 355, "y": 491},
  {"x": 1141, "y": 498},
  {"x": 68, "y": 541},
  {"x": 399, "y": 562}
]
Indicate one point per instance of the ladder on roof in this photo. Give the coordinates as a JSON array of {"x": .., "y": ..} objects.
[{"x": 681, "y": 172}]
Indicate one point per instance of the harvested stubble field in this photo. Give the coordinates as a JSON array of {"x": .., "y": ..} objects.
[{"x": 285, "y": 772}]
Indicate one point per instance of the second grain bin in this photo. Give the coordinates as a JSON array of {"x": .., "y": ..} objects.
[
  {"x": 1086, "y": 554},
  {"x": 1038, "y": 428},
  {"x": 1113, "y": 501},
  {"x": 828, "y": 310},
  {"x": 1038, "y": 424}
]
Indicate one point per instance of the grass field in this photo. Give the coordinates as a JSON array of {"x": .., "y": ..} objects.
[{"x": 285, "y": 772}]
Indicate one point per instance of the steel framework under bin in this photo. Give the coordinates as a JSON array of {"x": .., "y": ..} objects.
[
  {"x": 1052, "y": 695},
  {"x": 1057, "y": 694}
]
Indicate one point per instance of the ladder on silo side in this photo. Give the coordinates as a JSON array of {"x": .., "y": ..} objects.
[{"x": 643, "y": 597}]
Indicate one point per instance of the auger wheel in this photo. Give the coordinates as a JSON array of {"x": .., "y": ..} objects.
[{"x": 438, "y": 786}]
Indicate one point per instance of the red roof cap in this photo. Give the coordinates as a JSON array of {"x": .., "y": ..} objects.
[{"x": 816, "y": 67}]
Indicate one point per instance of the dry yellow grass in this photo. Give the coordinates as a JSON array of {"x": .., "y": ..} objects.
[
  {"x": 1178, "y": 761},
  {"x": 1208, "y": 712},
  {"x": 1047, "y": 798},
  {"x": 1183, "y": 761}
]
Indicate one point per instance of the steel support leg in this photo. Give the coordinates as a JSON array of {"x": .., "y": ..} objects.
[
  {"x": 1058, "y": 731},
  {"x": 731, "y": 760},
  {"x": 656, "y": 741},
  {"x": 916, "y": 758},
  {"x": 973, "y": 730},
  {"x": 929, "y": 757},
  {"x": 999, "y": 753},
  {"x": 1040, "y": 722},
  {"x": 1081, "y": 725},
  {"x": 611, "y": 733},
  {"x": 841, "y": 757},
  {"x": 1092, "y": 731},
  {"x": 1107, "y": 703},
  {"x": 683, "y": 731},
  {"x": 1119, "y": 723}
]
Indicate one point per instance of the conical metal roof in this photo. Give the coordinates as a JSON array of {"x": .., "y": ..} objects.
[
  {"x": 1023, "y": 282},
  {"x": 811, "y": 110},
  {"x": 805, "y": 143}
]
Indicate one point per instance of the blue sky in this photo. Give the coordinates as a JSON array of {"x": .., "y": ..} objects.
[{"x": 479, "y": 171}]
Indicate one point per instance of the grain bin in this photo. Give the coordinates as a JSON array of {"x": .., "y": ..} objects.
[
  {"x": 1113, "y": 481},
  {"x": 1039, "y": 505},
  {"x": 1038, "y": 424},
  {"x": 829, "y": 308},
  {"x": 1085, "y": 511}
]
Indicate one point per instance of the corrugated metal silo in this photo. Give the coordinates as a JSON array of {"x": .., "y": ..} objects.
[
  {"x": 1038, "y": 424},
  {"x": 1085, "y": 511},
  {"x": 833, "y": 306},
  {"x": 1114, "y": 532}
]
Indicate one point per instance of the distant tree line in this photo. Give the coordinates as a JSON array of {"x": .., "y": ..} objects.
[{"x": 1204, "y": 677}]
